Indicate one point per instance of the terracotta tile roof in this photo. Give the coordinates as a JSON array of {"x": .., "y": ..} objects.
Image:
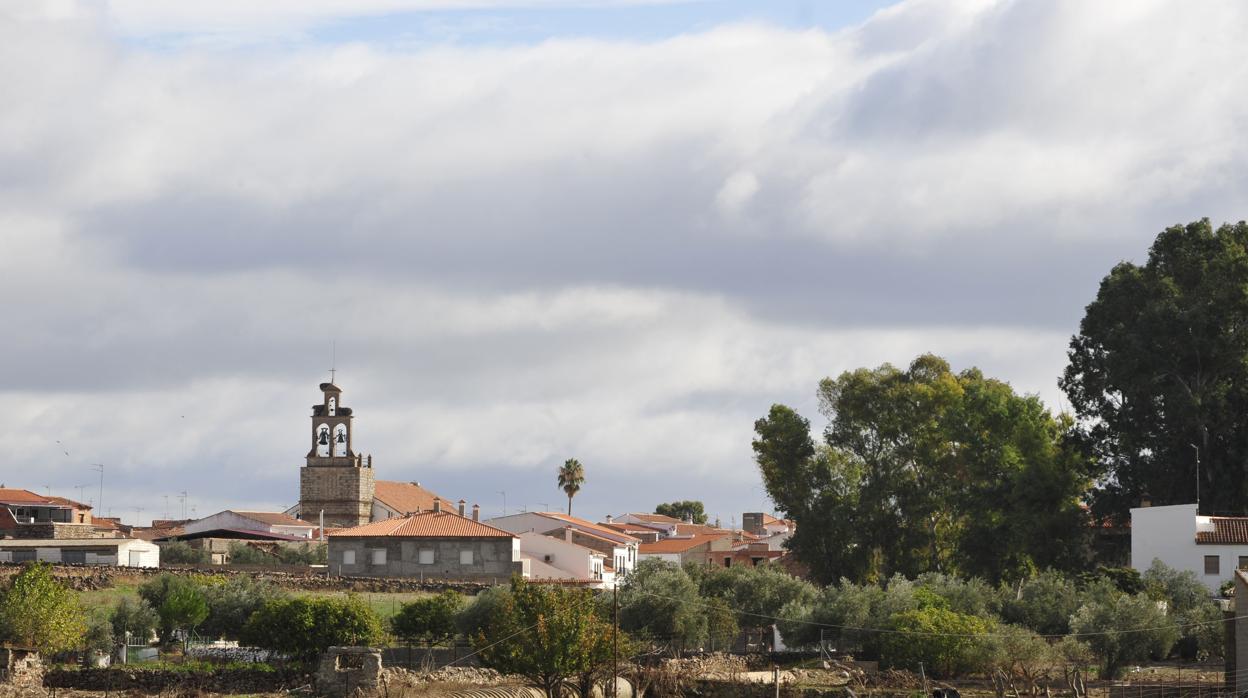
[
  {"x": 1226, "y": 530},
  {"x": 68, "y": 502},
  {"x": 424, "y": 525},
  {"x": 678, "y": 545},
  {"x": 559, "y": 533},
  {"x": 699, "y": 529},
  {"x": 16, "y": 496},
  {"x": 407, "y": 497},
  {"x": 630, "y": 529},
  {"x": 656, "y": 518},
  {"x": 273, "y": 518},
  {"x": 593, "y": 527}
]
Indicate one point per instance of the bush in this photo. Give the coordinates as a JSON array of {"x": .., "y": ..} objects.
[
  {"x": 243, "y": 554},
  {"x": 1122, "y": 629},
  {"x": 178, "y": 601},
  {"x": 1022, "y": 655},
  {"x": 1043, "y": 603},
  {"x": 38, "y": 611},
  {"x": 231, "y": 604},
  {"x": 177, "y": 552},
  {"x": 759, "y": 594},
  {"x": 305, "y": 554},
  {"x": 945, "y": 642},
  {"x": 304, "y": 627},
  {"x": 476, "y": 616},
  {"x": 135, "y": 616},
  {"x": 431, "y": 619},
  {"x": 99, "y": 637},
  {"x": 658, "y": 601}
]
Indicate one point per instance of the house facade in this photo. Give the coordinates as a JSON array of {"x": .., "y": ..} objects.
[
  {"x": 1212, "y": 547},
  {"x": 434, "y": 544},
  {"x": 25, "y": 514},
  {"x": 553, "y": 558},
  {"x": 619, "y": 549},
  {"x": 121, "y": 552}
]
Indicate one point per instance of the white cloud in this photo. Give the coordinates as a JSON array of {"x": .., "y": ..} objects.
[{"x": 623, "y": 250}]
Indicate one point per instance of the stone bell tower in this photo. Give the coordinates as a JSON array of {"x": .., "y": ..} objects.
[{"x": 336, "y": 479}]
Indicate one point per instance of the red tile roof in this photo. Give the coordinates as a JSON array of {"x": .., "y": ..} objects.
[
  {"x": 16, "y": 496},
  {"x": 656, "y": 518},
  {"x": 407, "y": 497},
  {"x": 678, "y": 545},
  {"x": 593, "y": 527},
  {"x": 273, "y": 518},
  {"x": 68, "y": 502},
  {"x": 426, "y": 524},
  {"x": 1226, "y": 530}
]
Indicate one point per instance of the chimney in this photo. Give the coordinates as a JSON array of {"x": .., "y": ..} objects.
[
  {"x": 461, "y": 507},
  {"x": 437, "y": 505},
  {"x": 567, "y": 534},
  {"x": 476, "y": 512},
  {"x": 609, "y": 519},
  {"x": 1145, "y": 501}
]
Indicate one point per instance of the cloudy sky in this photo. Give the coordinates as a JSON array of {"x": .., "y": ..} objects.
[{"x": 542, "y": 229}]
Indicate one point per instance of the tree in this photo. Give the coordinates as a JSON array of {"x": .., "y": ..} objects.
[
  {"x": 946, "y": 643},
  {"x": 177, "y": 552},
  {"x": 1158, "y": 373},
  {"x": 1121, "y": 628},
  {"x": 232, "y": 603},
  {"x": 659, "y": 602},
  {"x": 925, "y": 470},
  {"x": 571, "y": 477},
  {"x": 546, "y": 634},
  {"x": 430, "y": 619},
  {"x": 691, "y": 510},
  {"x": 473, "y": 619},
  {"x": 38, "y": 611},
  {"x": 758, "y": 594},
  {"x": 99, "y": 636},
  {"x": 304, "y": 627},
  {"x": 1043, "y": 603},
  {"x": 1018, "y": 654},
  {"x": 135, "y": 616},
  {"x": 178, "y": 601}
]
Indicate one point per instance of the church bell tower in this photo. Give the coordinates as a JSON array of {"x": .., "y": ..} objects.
[{"x": 336, "y": 479}]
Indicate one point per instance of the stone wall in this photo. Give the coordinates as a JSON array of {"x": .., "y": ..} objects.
[
  {"x": 345, "y": 494},
  {"x": 345, "y": 670},
  {"x": 154, "y": 681},
  {"x": 54, "y": 531}
]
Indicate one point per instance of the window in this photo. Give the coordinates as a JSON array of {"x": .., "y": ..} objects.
[
  {"x": 74, "y": 557},
  {"x": 348, "y": 557},
  {"x": 1243, "y": 562},
  {"x": 379, "y": 556},
  {"x": 426, "y": 556},
  {"x": 23, "y": 556},
  {"x": 465, "y": 557},
  {"x": 1212, "y": 565},
  {"x": 727, "y": 561}
]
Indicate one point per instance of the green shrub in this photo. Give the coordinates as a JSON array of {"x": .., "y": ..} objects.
[
  {"x": 431, "y": 619},
  {"x": 304, "y": 627},
  {"x": 659, "y": 601},
  {"x": 474, "y": 617},
  {"x": 1122, "y": 629},
  {"x": 179, "y": 603},
  {"x": 38, "y": 611},
  {"x": 1044, "y": 603},
  {"x": 231, "y": 604},
  {"x": 305, "y": 554},
  {"x": 177, "y": 552},
  {"x": 243, "y": 554},
  {"x": 946, "y": 643},
  {"x": 135, "y": 616},
  {"x": 99, "y": 636}
]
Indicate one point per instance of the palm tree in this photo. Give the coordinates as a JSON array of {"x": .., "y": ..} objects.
[{"x": 571, "y": 477}]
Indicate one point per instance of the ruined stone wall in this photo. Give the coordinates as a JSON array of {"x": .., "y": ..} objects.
[{"x": 53, "y": 531}]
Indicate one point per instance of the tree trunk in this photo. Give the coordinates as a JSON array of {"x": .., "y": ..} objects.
[{"x": 569, "y": 505}]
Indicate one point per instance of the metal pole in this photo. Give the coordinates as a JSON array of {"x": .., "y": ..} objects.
[
  {"x": 1197, "y": 450},
  {"x": 615, "y": 640}
]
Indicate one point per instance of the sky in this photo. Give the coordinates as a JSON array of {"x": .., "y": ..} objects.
[{"x": 533, "y": 230}]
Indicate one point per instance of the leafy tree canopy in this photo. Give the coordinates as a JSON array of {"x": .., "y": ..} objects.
[
  {"x": 304, "y": 627},
  {"x": 430, "y": 619},
  {"x": 1159, "y": 369},
  {"x": 683, "y": 510},
  {"x": 38, "y": 611},
  {"x": 925, "y": 470}
]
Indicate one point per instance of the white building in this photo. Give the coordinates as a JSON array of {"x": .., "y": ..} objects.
[
  {"x": 618, "y": 549},
  {"x": 563, "y": 559},
  {"x": 122, "y": 552},
  {"x": 271, "y": 522},
  {"x": 1211, "y": 546}
]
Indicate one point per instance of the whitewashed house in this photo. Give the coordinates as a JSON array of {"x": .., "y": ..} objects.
[
  {"x": 1211, "y": 546},
  {"x": 562, "y": 559},
  {"x": 618, "y": 549},
  {"x": 122, "y": 552}
]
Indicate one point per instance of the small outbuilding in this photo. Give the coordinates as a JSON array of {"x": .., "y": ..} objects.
[{"x": 122, "y": 552}]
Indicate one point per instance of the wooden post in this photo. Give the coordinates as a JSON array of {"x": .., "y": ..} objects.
[{"x": 775, "y": 677}]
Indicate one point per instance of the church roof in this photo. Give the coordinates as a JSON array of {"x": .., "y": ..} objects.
[
  {"x": 406, "y": 497},
  {"x": 330, "y": 386},
  {"x": 428, "y": 524}
]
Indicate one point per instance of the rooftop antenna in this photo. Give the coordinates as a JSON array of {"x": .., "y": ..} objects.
[
  {"x": 1197, "y": 450},
  {"x": 99, "y": 503},
  {"x": 182, "y": 496}
]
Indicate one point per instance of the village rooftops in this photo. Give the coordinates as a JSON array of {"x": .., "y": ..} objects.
[
  {"x": 588, "y": 527},
  {"x": 680, "y": 544},
  {"x": 656, "y": 518},
  {"x": 427, "y": 524},
  {"x": 1223, "y": 530},
  {"x": 273, "y": 518},
  {"x": 26, "y": 497},
  {"x": 406, "y": 497}
]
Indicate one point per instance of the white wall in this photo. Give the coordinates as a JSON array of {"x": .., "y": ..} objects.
[
  {"x": 665, "y": 557},
  {"x": 569, "y": 557},
  {"x": 1169, "y": 534},
  {"x": 225, "y": 519}
]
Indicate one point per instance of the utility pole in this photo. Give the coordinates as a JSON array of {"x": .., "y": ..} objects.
[
  {"x": 182, "y": 496},
  {"x": 1197, "y": 450},
  {"x": 615, "y": 640}
]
